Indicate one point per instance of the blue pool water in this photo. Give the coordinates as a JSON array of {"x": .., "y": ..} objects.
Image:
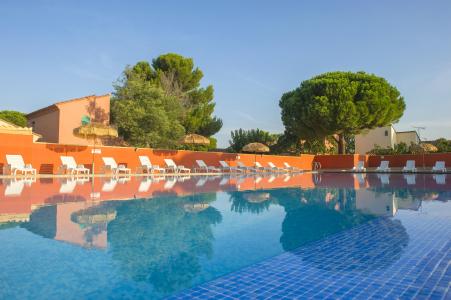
[{"x": 341, "y": 235}]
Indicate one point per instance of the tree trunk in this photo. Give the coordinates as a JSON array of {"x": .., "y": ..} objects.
[{"x": 341, "y": 144}]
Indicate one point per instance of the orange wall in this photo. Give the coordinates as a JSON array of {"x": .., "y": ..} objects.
[
  {"x": 45, "y": 157},
  {"x": 398, "y": 161}
]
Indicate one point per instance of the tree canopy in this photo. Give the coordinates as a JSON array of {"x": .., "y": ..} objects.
[
  {"x": 145, "y": 115},
  {"x": 177, "y": 78},
  {"x": 15, "y": 117},
  {"x": 340, "y": 103}
]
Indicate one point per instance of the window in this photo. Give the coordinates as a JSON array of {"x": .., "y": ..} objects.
[
  {"x": 33, "y": 123},
  {"x": 386, "y": 132}
]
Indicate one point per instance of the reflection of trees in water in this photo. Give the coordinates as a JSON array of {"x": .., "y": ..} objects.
[
  {"x": 159, "y": 242},
  {"x": 369, "y": 247},
  {"x": 316, "y": 213},
  {"x": 243, "y": 201}
]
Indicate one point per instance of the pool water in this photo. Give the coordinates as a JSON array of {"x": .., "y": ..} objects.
[{"x": 300, "y": 236}]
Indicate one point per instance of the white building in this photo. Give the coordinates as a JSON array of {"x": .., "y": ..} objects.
[{"x": 384, "y": 137}]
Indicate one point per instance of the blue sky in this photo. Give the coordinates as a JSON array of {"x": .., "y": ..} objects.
[{"x": 250, "y": 51}]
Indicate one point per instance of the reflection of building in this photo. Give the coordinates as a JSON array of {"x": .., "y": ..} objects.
[
  {"x": 383, "y": 203},
  {"x": 57, "y": 122},
  {"x": 384, "y": 137}
]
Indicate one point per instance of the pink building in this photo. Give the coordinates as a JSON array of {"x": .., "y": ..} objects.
[{"x": 56, "y": 123}]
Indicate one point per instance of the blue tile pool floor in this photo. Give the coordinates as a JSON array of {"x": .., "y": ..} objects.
[{"x": 403, "y": 257}]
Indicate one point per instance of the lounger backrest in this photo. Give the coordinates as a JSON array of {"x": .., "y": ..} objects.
[
  {"x": 440, "y": 164},
  {"x": 201, "y": 163},
  {"x": 69, "y": 162},
  {"x": 170, "y": 163},
  {"x": 258, "y": 165},
  {"x": 360, "y": 165},
  {"x": 110, "y": 162},
  {"x": 15, "y": 161},
  {"x": 145, "y": 161},
  {"x": 272, "y": 165},
  {"x": 384, "y": 164},
  {"x": 240, "y": 164},
  {"x": 410, "y": 164},
  {"x": 224, "y": 164},
  {"x": 286, "y": 165}
]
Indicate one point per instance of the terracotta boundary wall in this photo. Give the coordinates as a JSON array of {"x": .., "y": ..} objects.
[{"x": 45, "y": 157}]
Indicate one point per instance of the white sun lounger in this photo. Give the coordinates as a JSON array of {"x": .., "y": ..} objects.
[
  {"x": 410, "y": 166},
  {"x": 16, "y": 164},
  {"x": 203, "y": 166},
  {"x": 245, "y": 168},
  {"x": 147, "y": 166},
  {"x": 275, "y": 168},
  {"x": 292, "y": 169},
  {"x": 360, "y": 167},
  {"x": 69, "y": 164},
  {"x": 383, "y": 167},
  {"x": 111, "y": 164},
  {"x": 226, "y": 167},
  {"x": 172, "y": 167},
  {"x": 259, "y": 167},
  {"x": 439, "y": 166}
]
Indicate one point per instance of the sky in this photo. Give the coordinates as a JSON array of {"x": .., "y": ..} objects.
[{"x": 250, "y": 51}]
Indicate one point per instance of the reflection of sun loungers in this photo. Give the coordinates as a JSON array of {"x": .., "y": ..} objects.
[
  {"x": 169, "y": 183},
  {"x": 201, "y": 181},
  {"x": 109, "y": 185},
  {"x": 384, "y": 178},
  {"x": 144, "y": 185},
  {"x": 14, "y": 188},
  {"x": 439, "y": 178},
  {"x": 410, "y": 178},
  {"x": 68, "y": 186},
  {"x": 360, "y": 178}
]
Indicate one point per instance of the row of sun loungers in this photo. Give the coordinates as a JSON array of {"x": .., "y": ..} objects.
[{"x": 69, "y": 166}]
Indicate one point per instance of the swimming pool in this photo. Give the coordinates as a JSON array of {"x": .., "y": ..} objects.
[{"x": 300, "y": 236}]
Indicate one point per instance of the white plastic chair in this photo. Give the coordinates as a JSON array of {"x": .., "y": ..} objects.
[
  {"x": 259, "y": 167},
  {"x": 70, "y": 165},
  {"x": 174, "y": 168},
  {"x": 383, "y": 167},
  {"x": 360, "y": 167},
  {"x": 16, "y": 164},
  {"x": 203, "y": 166},
  {"x": 439, "y": 166},
  {"x": 410, "y": 166},
  {"x": 147, "y": 165},
  {"x": 111, "y": 164},
  {"x": 245, "y": 168}
]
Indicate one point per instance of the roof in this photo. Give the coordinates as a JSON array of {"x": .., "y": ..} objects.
[
  {"x": 54, "y": 106},
  {"x": 10, "y": 128}
]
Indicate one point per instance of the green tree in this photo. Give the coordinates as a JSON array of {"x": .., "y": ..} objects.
[
  {"x": 145, "y": 115},
  {"x": 179, "y": 78},
  {"x": 15, "y": 117},
  {"x": 341, "y": 103},
  {"x": 241, "y": 137},
  {"x": 443, "y": 145}
]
